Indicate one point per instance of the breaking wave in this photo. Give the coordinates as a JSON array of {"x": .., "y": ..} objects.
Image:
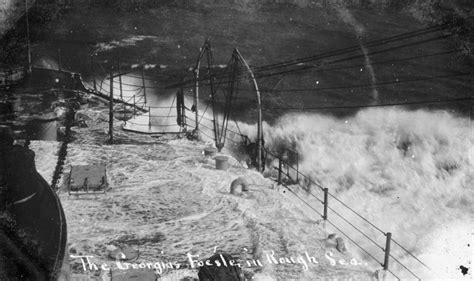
[{"x": 409, "y": 172}]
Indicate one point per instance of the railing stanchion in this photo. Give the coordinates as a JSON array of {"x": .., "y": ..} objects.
[
  {"x": 143, "y": 82},
  {"x": 111, "y": 109},
  {"x": 325, "y": 211},
  {"x": 387, "y": 250},
  {"x": 28, "y": 36},
  {"x": 120, "y": 78},
  {"x": 134, "y": 106},
  {"x": 149, "y": 118},
  {"x": 279, "y": 170},
  {"x": 93, "y": 73},
  {"x": 196, "y": 96},
  {"x": 59, "y": 60},
  {"x": 297, "y": 168}
]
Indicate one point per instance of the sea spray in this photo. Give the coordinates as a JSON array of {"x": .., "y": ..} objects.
[{"x": 408, "y": 172}]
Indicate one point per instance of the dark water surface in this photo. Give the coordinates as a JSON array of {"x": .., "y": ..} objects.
[{"x": 33, "y": 114}]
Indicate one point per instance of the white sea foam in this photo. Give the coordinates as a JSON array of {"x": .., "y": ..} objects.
[{"x": 409, "y": 172}]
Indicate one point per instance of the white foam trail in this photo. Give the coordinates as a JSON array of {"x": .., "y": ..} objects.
[
  {"x": 370, "y": 68},
  {"x": 130, "y": 41},
  {"x": 46, "y": 62},
  {"x": 359, "y": 29}
]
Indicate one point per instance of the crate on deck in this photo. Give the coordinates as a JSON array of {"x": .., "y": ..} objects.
[{"x": 87, "y": 179}]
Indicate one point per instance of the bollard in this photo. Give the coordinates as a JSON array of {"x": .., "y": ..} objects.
[
  {"x": 222, "y": 162},
  {"x": 387, "y": 250}
]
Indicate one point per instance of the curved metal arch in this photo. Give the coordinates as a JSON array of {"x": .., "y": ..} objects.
[
  {"x": 219, "y": 141},
  {"x": 205, "y": 50},
  {"x": 260, "y": 165}
]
